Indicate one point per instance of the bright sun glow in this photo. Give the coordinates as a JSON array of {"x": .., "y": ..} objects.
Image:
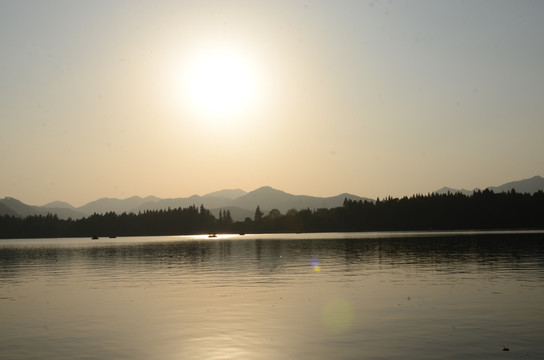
[{"x": 220, "y": 82}]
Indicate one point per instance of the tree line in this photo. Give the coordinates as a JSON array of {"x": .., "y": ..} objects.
[{"x": 452, "y": 211}]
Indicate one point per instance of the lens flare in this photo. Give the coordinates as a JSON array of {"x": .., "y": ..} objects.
[{"x": 315, "y": 265}]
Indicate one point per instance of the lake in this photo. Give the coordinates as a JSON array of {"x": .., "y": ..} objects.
[{"x": 409, "y": 295}]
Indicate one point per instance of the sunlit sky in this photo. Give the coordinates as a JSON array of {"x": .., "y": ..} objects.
[{"x": 175, "y": 98}]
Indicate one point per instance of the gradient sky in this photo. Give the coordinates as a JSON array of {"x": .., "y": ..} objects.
[{"x": 373, "y": 98}]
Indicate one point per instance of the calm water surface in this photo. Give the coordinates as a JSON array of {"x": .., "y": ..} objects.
[{"x": 296, "y": 296}]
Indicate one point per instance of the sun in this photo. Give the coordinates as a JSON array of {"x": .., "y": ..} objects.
[{"x": 220, "y": 82}]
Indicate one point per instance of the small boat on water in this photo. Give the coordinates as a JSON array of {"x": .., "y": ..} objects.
[
  {"x": 212, "y": 235},
  {"x": 94, "y": 237}
]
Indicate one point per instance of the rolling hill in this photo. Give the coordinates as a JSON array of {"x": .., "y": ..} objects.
[{"x": 238, "y": 202}]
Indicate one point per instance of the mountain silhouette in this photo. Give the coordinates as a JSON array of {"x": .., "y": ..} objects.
[
  {"x": 268, "y": 198},
  {"x": 238, "y": 202},
  {"x": 227, "y": 193},
  {"x": 446, "y": 190},
  {"x": 209, "y": 202},
  {"x": 119, "y": 206},
  {"x": 244, "y": 206},
  {"x": 529, "y": 186},
  {"x": 58, "y": 205},
  {"x": 5, "y": 210},
  {"x": 17, "y": 208}
]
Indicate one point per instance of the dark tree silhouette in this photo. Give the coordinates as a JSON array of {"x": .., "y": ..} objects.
[
  {"x": 258, "y": 215},
  {"x": 481, "y": 210}
]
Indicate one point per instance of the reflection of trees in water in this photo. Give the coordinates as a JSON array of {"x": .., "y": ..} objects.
[
  {"x": 192, "y": 252},
  {"x": 14, "y": 260},
  {"x": 482, "y": 250},
  {"x": 224, "y": 249},
  {"x": 268, "y": 255},
  {"x": 273, "y": 256}
]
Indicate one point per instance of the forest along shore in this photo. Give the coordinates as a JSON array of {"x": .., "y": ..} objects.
[{"x": 481, "y": 210}]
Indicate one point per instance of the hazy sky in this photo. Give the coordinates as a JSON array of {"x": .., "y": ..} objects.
[{"x": 175, "y": 98}]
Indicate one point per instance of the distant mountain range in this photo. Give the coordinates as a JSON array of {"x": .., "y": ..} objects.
[
  {"x": 530, "y": 186},
  {"x": 240, "y": 203}
]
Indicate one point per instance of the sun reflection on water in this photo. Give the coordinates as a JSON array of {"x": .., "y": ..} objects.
[
  {"x": 258, "y": 297},
  {"x": 220, "y": 346}
]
